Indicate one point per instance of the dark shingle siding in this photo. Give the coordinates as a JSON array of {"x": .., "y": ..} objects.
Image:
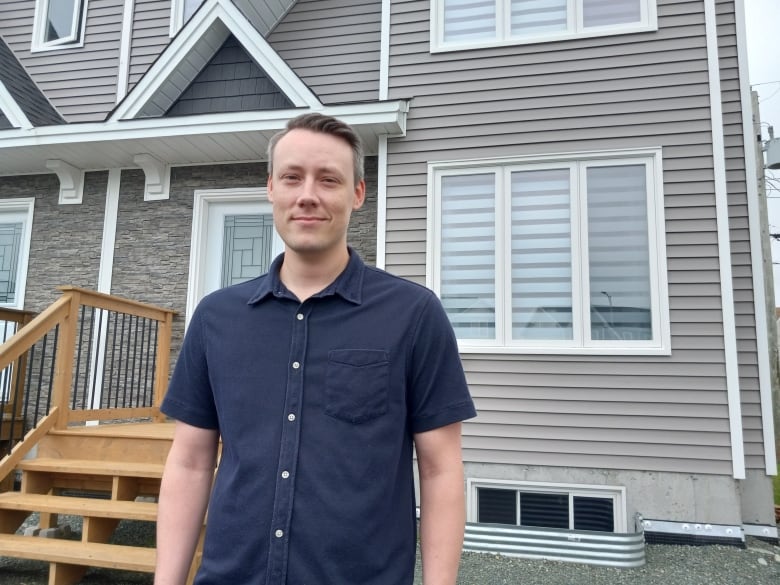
[
  {"x": 230, "y": 82},
  {"x": 24, "y": 91},
  {"x": 4, "y": 123}
]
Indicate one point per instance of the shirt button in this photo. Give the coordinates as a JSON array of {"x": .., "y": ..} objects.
[
  {"x": 279, "y": 533},
  {"x": 299, "y": 317},
  {"x": 291, "y": 417},
  {"x": 296, "y": 365},
  {"x": 285, "y": 474}
]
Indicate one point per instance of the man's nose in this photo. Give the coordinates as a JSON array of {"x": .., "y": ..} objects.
[{"x": 308, "y": 192}]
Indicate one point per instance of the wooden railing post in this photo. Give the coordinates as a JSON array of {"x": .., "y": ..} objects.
[
  {"x": 163, "y": 362},
  {"x": 63, "y": 364}
]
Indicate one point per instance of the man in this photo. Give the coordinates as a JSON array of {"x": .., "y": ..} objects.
[{"x": 319, "y": 377}]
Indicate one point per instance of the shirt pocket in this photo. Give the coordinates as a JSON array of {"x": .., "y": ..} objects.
[{"x": 356, "y": 384}]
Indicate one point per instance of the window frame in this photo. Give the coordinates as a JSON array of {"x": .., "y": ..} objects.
[
  {"x": 575, "y": 28},
  {"x": 24, "y": 207},
  {"x": 177, "y": 15},
  {"x": 581, "y": 343},
  {"x": 614, "y": 492},
  {"x": 78, "y": 27}
]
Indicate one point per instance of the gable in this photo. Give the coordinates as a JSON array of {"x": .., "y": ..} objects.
[
  {"x": 178, "y": 69},
  {"x": 230, "y": 82}
]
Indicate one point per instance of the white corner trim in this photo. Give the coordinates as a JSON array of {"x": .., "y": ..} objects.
[
  {"x": 234, "y": 21},
  {"x": 12, "y": 110},
  {"x": 71, "y": 181},
  {"x": 381, "y": 203},
  {"x": 757, "y": 268},
  {"x": 384, "y": 51},
  {"x": 105, "y": 272},
  {"x": 158, "y": 177},
  {"x": 124, "y": 50},
  {"x": 724, "y": 245}
]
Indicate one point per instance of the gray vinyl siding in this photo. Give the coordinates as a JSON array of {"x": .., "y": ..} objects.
[
  {"x": 151, "y": 34},
  {"x": 333, "y": 46},
  {"x": 744, "y": 302},
  {"x": 84, "y": 97},
  {"x": 616, "y": 92}
]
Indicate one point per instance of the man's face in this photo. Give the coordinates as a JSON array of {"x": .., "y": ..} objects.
[{"x": 313, "y": 192}]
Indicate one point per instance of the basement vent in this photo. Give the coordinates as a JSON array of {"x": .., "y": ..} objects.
[{"x": 571, "y": 507}]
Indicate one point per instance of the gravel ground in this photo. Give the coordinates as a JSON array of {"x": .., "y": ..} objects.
[{"x": 758, "y": 564}]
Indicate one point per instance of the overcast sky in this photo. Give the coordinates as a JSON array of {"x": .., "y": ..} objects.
[{"x": 763, "y": 40}]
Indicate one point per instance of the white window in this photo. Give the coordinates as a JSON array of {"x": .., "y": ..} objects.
[
  {"x": 462, "y": 24},
  {"x": 551, "y": 255},
  {"x": 547, "y": 505},
  {"x": 15, "y": 229},
  {"x": 181, "y": 12},
  {"x": 59, "y": 24}
]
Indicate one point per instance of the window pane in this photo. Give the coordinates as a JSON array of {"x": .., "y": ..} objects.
[
  {"x": 247, "y": 245},
  {"x": 547, "y": 510},
  {"x": 61, "y": 19},
  {"x": 466, "y": 20},
  {"x": 190, "y": 6},
  {"x": 497, "y": 506},
  {"x": 619, "y": 252},
  {"x": 530, "y": 17},
  {"x": 468, "y": 255},
  {"x": 10, "y": 242},
  {"x": 594, "y": 514},
  {"x": 541, "y": 255},
  {"x": 607, "y": 12}
]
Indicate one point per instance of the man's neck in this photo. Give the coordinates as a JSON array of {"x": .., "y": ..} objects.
[{"x": 305, "y": 275}]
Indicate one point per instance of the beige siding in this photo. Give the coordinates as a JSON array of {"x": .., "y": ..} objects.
[
  {"x": 624, "y": 91},
  {"x": 91, "y": 94},
  {"x": 333, "y": 45},
  {"x": 151, "y": 34}
]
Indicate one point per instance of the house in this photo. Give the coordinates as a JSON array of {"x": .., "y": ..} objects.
[{"x": 574, "y": 179}]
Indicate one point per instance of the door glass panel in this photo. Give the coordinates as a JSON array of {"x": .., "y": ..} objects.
[
  {"x": 10, "y": 242},
  {"x": 247, "y": 247}
]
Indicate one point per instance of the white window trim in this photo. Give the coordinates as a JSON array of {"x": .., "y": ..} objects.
[
  {"x": 21, "y": 206},
  {"x": 614, "y": 492},
  {"x": 75, "y": 40},
  {"x": 648, "y": 22},
  {"x": 661, "y": 342}
]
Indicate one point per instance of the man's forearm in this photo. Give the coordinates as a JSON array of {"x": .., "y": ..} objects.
[{"x": 442, "y": 520}]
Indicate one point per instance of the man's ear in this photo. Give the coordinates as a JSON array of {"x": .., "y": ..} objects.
[
  {"x": 270, "y": 188},
  {"x": 360, "y": 195}
]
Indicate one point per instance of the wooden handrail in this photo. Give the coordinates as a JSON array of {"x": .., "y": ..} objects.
[
  {"x": 108, "y": 302},
  {"x": 8, "y": 463},
  {"x": 33, "y": 331}
]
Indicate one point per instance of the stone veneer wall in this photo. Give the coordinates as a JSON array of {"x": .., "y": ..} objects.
[
  {"x": 65, "y": 239},
  {"x": 152, "y": 250}
]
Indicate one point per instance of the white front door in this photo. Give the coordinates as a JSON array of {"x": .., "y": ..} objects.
[{"x": 233, "y": 241}]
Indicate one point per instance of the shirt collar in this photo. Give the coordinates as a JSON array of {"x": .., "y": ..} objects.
[{"x": 348, "y": 285}]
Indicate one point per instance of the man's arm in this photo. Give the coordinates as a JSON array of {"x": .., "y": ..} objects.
[
  {"x": 442, "y": 503},
  {"x": 184, "y": 494}
]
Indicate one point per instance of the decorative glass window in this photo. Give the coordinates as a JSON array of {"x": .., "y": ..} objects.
[
  {"x": 551, "y": 255},
  {"x": 460, "y": 24},
  {"x": 569, "y": 507},
  {"x": 15, "y": 229},
  {"x": 59, "y": 23}
]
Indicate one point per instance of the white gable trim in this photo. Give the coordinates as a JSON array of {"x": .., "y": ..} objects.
[
  {"x": 12, "y": 110},
  {"x": 216, "y": 14}
]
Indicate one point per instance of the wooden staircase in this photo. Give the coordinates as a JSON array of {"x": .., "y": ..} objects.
[
  {"x": 104, "y": 474},
  {"x": 80, "y": 454}
]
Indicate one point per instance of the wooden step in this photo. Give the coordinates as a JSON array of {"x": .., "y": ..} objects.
[
  {"x": 93, "y": 467},
  {"x": 94, "y": 507},
  {"x": 74, "y": 552}
]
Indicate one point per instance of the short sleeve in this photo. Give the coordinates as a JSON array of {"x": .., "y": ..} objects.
[
  {"x": 439, "y": 394},
  {"x": 189, "y": 397}
]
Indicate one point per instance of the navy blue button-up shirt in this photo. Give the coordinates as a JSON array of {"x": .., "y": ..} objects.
[{"x": 316, "y": 403}]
